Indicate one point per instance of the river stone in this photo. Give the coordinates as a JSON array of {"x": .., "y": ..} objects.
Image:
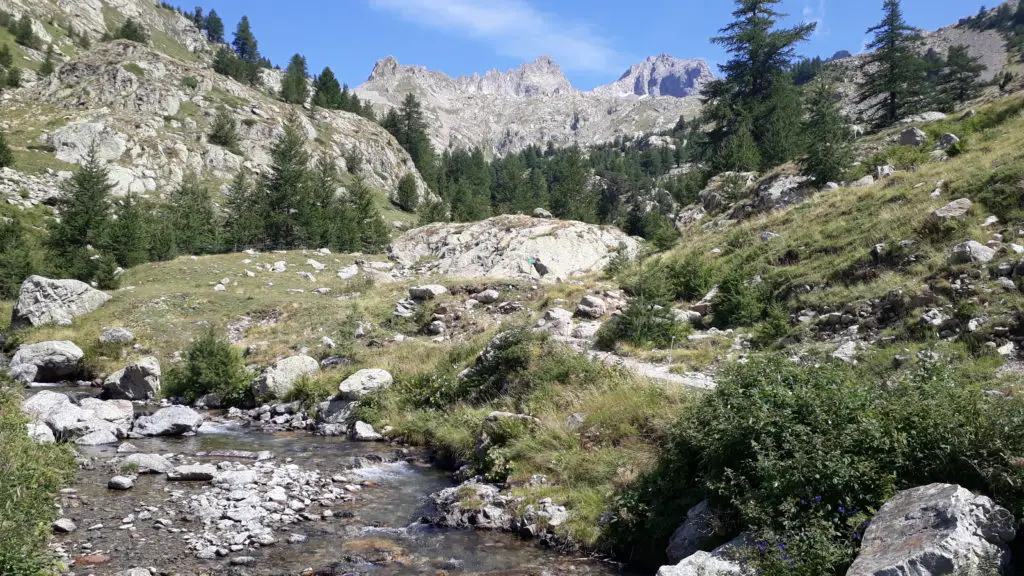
[
  {"x": 116, "y": 336},
  {"x": 697, "y": 533},
  {"x": 278, "y": 380},
  {"x": 236, "y": 478},
  {"x": 40, "y": 433},
  {"x": 363, "y": 432},
  {"x": 46, "y": 361},
  {"x": 97, "y": 438},
  {"x": 44, "y": 301},
  {"x": 170, "y": 421},
  {"x": 138, "y": 381},
  {"x": 109, "y": 410},
  {"x": 955, "y": 210},
  {"x": 148, "y": 463},
  {"x": 427, "y": 292},
  {"x": 970, "y": 252},
  {"x": 363, "y": 382},
  {"x": 489, "y": 296},
  {"x": 120, "y": 483},
  {"x": 934, "y": 530},
  {"x": 192, "y": 473},
  {"x": 718, "y": 562},
  {"x": 64, "y": 526}
]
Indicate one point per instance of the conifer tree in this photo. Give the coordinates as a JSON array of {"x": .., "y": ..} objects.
[
  {"x": 47, "y": 67},
  {"x": 511, "y": 191},
  {"x": 894, "y": 70},
  {"x": 959, "y": 82},
  {"x": 6, "y": 58},
  {"x": 224, "y": 131},
  {"x": 828, "y": 135},
  {"x": 84, "y": 220},
  {"x": 245, "y": 44},
  {"x": 14, "y": 77},
  {"x": 373, "y": 232},
  {"x": 6, "y": 155},
  {"x": 23, "y": 32},
  {"x": 106, "y": 274},
  {"x": 319, "y": 213},
  {"x": 409, "y": 127},
  {"x": 129, "y": 243},
  {"x": 214, "y": 27},
  {"x": 571, "y": 195},
  {"x": 326, "y": 91},
  {"x": 162, "y": 237},
  {"x": 408, "y": 196},
  {"x": 284, "y": 189},
  {"x": 245, "y": 222},
  {"x": 16, "y": 262},
  {"x": 756, "y": 99},
  {"x": 193, "y": 216},
  {"x": 133, "y": 30},
  {"x": 294, "y": 89},
  {"x": 197, "y": 17}
]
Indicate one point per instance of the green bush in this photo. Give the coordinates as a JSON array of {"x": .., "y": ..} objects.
[
  {"x": 740, "y": 301},
  {"x": 224, "y": 131},
  {"x": 190, "y": 82},
  {"x": 408, "y": 195},
  {"x": 212, "y": 366},
  {"x": 643, "y": 323},
  {"x": 803, "y": 454},
  {"x": 900, "y": 157},
  {"x": 30, "y": 477},
  {"x": 132, "y": 30},
  {"x": 691, "y": 276},
  {"x": 1001, "y": 192}
]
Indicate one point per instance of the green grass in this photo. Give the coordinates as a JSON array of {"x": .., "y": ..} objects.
[
  {"x": 37, "y": 161},
  {"x": 219, "y": 96},
  {"x": 20, "y": 61},
  {"x": 134, "y": 69},
  {"x": 170, "y": 47}
]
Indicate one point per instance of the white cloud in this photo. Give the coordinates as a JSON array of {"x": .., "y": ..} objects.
[
  {"x": 514, "y": 28},
  {"x": 816, "y": 14}
]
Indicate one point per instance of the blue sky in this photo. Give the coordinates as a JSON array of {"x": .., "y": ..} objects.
[{"x": 593, "y": 40}]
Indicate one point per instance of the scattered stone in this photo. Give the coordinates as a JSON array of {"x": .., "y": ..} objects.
[
  {"x": 768, "y": 236},
  {"x": 865, "y": 181},
  {"x": 556, "y": 321},
  {"x": 489, "y": 296},
  {"x": 542, "y": 213},
  {"x": 971, "y": 252},
  {"x": 120, "y": 483},
  {"x": 913, "y": 136},
  {"x": 170, "y": 421},
  {"x": 591, "y": 307},
  {"x": 363, "y": 432},
  {"x": 120, "y": 336},
  {"x": 847, "y": 352},
  {"x": 44, "y": 301},
  {"x": 884, "y": 172},
  {"x": 955, "y": 210},
  {"x": 947, "y": 140},
  {"x": 46, "y": 361},
  {"x": 192, "y": 473},
  {"x": 427, "y": 292},
  {"x": 148, "y": 463},
  {"x": 64, "y": 526},
  {"x": 363, "y": 382},
  {"x": 721, "y": 561}
]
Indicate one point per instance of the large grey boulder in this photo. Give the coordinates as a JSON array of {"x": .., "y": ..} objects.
[
  {"x": 138, "y": 381},
  {"x": 44, "y": 301},
  {"x": 148, "y": 463},
  {"x": 97, "y": 421},
  {"x": 427, "y": 292},
  {"x": 955, "y": 210},
  {"x": 697, "y": 533},
  {"x": 117, "y": 336},
  {"x": 971, "y": 252},
  {"x": 193, "y": 473},
  {"x": 556, "y": 321},
  {"x": 364, "y": 382},
  {"x": 913, "y": 136},
  {"x": 75, "y": 142},
  {"x": 46, "y": 361},
  {"x": 109, "y": 410},
  {"x": 278, "y": 380},
  {"x": 591, "y": 307},
  {"x": 721, "y": 561},
  {"x": 170, "y": 421},
  {"x": 939, "y": 529}
]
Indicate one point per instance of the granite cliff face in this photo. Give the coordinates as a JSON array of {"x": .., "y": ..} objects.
[{"x": 535, "y": 103}]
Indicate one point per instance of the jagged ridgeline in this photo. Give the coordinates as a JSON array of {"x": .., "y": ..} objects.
[{"x": 765, "y": 319}]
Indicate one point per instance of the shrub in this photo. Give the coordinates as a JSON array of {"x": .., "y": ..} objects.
[
  {"x": 224, "y": 131},
  {"x": 900, "y": 157},
  {"x": 802, "y": 453},
  {"x": 353, "y": 160},
  {"x": 740, "y": 301},
  {"x": 14, "y": 78},
  {"x": 190, "y": 82},
  {"x": 408, "y": 195},
  {"x": 212, "y": 366},
  {"x": 6, "y": 155},
  {"x": 30, "y": 477},
  {"x": 691, "y": 276},
  {"x": 132, "y": 30}
]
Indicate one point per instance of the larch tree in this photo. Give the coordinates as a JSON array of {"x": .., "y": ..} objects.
[
  {"x": 893, "y": 67},
  {"x": 830, "y": 152},
  {"x": 294, "y": 89}
]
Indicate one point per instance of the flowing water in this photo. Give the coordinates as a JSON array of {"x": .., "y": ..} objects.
[{"x": 379, "y": 533}]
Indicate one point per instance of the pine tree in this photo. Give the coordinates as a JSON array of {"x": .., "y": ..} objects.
[
  {"x": 511, "y": 191},
  {"x": 245, "y": 222},
  {"x": 326, "y": 91},
  {"x": 106, "y": 274},
  {"x": 409, "y": 127},
  {"x": 163, "y": 239},
  {"x": 224, "y": 131},
  {"x": 830, "y": 153},
  {"x": 16, "y": 261},
  {"x": 6, "y": 155},
  {"x": 408, "y": 196},
  {"x": 47, "y": 67},
  {"x": 6, "y": 58},
  {"x": 214, "y": 27},
  {"x": 14, "y": 78},
  {"x": 132, "y": 30},
  {"x": 894, "y": 71},
  {"x": 23, "y": 32},
  {"x": 294, "y": 89},
  {"x": 197, "y": 17},
  {"x": 245, "y": 43},
  {"x": 319, "y": 214},
  {"x": 571, "y": 195},
  {"x": 960, "y": 81},
  {"x": 373, "y": 232},
  {"x": 285, "y": 189},
  {"x": 129, "y": 244},
  {"x": 193, "y": 216},
  {"x": 84, "y": 220},
  {"x": 756, "y": 95}
]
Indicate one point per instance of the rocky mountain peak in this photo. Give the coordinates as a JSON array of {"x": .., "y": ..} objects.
[
  {"x": 662, "y": 75},
  {"x": 542, "y": 77}
]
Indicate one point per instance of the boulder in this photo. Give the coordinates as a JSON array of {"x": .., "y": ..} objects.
[
  {"x": 542, "y": 213},
  {"x": 697, "y": 533},
  {"x": 591, "y": 307},
  {"x": 40, "y": 433},
  {"x": 556, "y": 321},
  {"x": 68, "y": 421},
  {"x": 971, "y": 252},
  {"x": 939, "y": 529},
  {"x": 46, "y": 361},
  {"x": 121, "y": 483},
  {"x": 148, "y": 463},
  {"x": 427, "y": 292},
  {"x": 721, "y": 561},
  {"x": 511, "y": 247},
  {"x": 109, "y": 410},
  {"x": 63, "y": 526},
  {"x": 955, "y": 210},
  {"x": 120, "y": 336},
  {"x": 913, "y": 136},
  {"x": 44, "y": 301},
  {"x": 363, "y": 432},
  {"x": 170, "y": 421},
  {"x": 75, "y": 142},
  {"x": 97, "y": 438},
  {"x": 364, "y": 382},
  {"x": 489, "y": 296},
  {"x": 865, "y": 181},
  {"x": 278, "y": 380},
  {"x": 138, "y": 381},
  {"x": 948, "y": 140},
  {"x": 193, "y": 473}
]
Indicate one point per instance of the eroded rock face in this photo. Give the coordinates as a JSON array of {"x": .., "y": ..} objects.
[
  {"x": 933, "y": 530},
  {"x": 512, "y": 247},
  {"x": 44, "y": 301},
  {"x": 278, "y": 380}
]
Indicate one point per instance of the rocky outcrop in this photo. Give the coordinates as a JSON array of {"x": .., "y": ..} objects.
[
  {"x": 92, "y": 423},
  {"x": 170, "y": 421},
  {"x": 278, "y": 380},
  {"x": 46, "y": 361},
  {"x": 511, "y": 247},
  {"x": 138, "y": 381},
  {"x": 44, "y": 301},
  {"x": 935, "y": 530},
  {"x": 971, "y": 252},
  {"x": 534, "y": 104}
]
